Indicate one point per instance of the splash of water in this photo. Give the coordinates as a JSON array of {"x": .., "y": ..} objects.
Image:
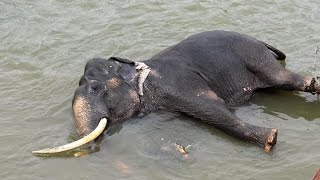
[{"x": 317, "y": 50}]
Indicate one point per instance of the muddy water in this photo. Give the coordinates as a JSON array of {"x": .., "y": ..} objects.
[{"x": 44, "y": 46}]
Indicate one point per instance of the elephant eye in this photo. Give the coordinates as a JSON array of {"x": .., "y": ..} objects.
[{"x": 94, "y": 87}]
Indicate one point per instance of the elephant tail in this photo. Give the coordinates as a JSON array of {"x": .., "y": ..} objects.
[{"x": 277, "y": 53}]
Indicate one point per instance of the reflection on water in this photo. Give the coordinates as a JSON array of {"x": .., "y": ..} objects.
[
  {"x": 44, "y": 46},
  {"x": 293, "y": 104}
]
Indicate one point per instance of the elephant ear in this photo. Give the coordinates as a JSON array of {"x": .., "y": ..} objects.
[
  {"x": 123, "y": 60},
  {"x": 127, "y": 71}
]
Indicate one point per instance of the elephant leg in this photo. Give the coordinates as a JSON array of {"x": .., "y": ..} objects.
[
  {"x": 274, "y": 74},
  {"x": 208, "y": 107},
  {"x": 290, "y": 81}
]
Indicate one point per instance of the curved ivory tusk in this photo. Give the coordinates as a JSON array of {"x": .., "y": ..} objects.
[{"x": 90, "y": 137}]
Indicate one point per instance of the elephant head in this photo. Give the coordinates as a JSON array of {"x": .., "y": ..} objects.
[{"x": 109, "y": 90}]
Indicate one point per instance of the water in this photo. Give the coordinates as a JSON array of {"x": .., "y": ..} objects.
[{"x": 44, "y": 46}]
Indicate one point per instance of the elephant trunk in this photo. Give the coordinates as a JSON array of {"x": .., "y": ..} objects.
[{"x": 82, "y": 111}]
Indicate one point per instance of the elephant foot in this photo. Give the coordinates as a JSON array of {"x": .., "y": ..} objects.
[
  {"x": 271, "y": 140},
  {"x": 313, "y": 85}
]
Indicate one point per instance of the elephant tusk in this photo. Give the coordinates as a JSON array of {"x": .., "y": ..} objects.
[{"x": 90, "y": 137}]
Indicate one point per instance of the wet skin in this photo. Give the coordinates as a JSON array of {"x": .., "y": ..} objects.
[{"x": 200, "y": 76}]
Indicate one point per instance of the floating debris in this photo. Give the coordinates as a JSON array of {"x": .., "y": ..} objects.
[
  {"x": 81, "y": 153},
  {"x": 182, "y": 150}
]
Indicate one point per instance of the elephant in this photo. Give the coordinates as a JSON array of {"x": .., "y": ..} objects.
[{"x": 202, "y": 76}]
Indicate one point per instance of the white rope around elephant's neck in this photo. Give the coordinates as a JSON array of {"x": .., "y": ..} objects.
[
  {"x": 144, "y": 71},
  {"x": 90, "y": 137}
]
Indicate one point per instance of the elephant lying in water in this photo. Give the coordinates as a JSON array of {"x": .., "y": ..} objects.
[{"x": 200, "y": 76}]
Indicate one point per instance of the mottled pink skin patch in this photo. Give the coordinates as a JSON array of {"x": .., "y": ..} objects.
[
  {"x": 80, "y": 109},
  {"x": 113, "y": 83}
]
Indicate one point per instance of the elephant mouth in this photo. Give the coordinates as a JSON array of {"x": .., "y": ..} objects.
[{"x": 67, "y": 147}]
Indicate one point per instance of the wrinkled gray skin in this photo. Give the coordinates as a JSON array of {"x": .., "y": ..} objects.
[{"x": 200, "y": 76}]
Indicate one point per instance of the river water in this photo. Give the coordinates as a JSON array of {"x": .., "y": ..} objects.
[{"x": 44, "y": 46}]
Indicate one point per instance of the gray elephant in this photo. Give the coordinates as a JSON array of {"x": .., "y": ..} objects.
[{"x": 201, "y": 76}]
